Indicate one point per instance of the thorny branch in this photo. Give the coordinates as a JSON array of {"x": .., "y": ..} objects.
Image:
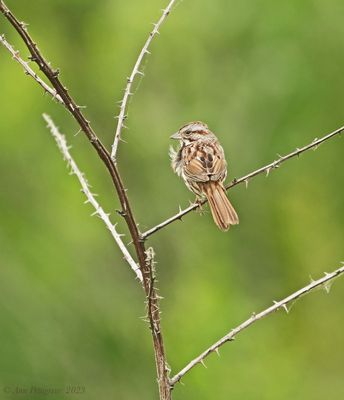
[
  {"x": 136, "y": 71},
  {"x": 74, "y": 109},
  {"x": 325, "y": 281},
  {"x": 245, "y": 179},
  {"x": 62, "y": 145},
  {"x": 28, "y": 70},
  {"x": 145, "y": 257},
  {"x": 70, "y": 104}
]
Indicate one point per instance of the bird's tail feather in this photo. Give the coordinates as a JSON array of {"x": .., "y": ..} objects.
[{"x": 223, "y": 212}]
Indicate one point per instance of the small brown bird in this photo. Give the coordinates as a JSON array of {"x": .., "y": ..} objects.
[{"x": 200, "y": 161}]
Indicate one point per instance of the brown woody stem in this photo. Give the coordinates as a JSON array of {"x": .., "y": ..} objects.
[{"x": 74, "y": 109}]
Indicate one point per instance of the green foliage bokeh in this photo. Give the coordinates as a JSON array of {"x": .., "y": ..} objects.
[{"x": 267, "y": 77}]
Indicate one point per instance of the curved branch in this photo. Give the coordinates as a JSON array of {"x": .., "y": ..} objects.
[
  {"x": 136, "y": 71},
  {"x": 245, "y": 179},
  {"x": 324, "y": 281}
]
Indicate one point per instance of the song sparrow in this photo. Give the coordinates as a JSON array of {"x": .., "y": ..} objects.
[{"x": 200, "y": 161}]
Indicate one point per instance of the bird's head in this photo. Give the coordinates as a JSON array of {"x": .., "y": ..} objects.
[{"x": 193, "y": 131}]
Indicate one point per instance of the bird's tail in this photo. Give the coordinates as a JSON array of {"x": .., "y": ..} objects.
[{"x": 222, "y": 210}]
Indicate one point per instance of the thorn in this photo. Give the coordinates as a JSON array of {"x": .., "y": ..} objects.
[
  {"x": 156, "y": 29},
  {"x": 286, "y": 309},
  {"x": 94, "y": 213},
  {"x": 23, "y": 24},
  {"x": 327, "y": 286},
  {"x": 140, "y": 73},
  {"x": 217, "y": 351},
  {"x": 279, "y": 306},
  {"x": 246, "y": 183},
  {"x": 56, "y": 73},
  {"x": 267, "y": 172},
  {"x": 202, "y": 362},
  {"x": 121, "y": 213}
]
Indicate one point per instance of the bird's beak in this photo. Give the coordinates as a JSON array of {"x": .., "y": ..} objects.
[{"x": 176, "y": 136}]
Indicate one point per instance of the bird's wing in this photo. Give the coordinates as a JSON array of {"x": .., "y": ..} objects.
[{"x": 205, "y": 162}]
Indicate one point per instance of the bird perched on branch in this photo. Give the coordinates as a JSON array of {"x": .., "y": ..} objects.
[{"x": 200, "y": 161}]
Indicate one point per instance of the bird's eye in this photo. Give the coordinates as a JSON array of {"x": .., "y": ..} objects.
[{"x": 187, "y": 133}]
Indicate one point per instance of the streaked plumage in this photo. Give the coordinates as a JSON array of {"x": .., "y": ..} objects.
[{"x": 200, "y": 161}]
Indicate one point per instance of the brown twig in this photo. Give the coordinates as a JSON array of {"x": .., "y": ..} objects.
[
  {"x": 74, "y": 109},
  {"x": 245, "y": 179},
  {"x": 325, "y": 281},
  {"x": 62, "y": 145},
  {"x": 136, "y": 71}
]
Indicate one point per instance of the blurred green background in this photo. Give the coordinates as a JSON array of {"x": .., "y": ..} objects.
[{"x": 267, "y": 77}]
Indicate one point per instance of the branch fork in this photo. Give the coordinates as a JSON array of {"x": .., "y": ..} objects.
[{"x": 144, "y": 267}]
